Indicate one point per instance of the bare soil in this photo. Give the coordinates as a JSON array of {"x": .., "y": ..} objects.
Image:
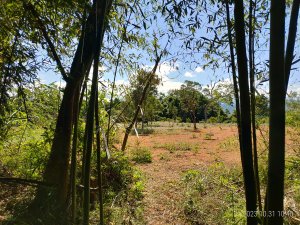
[{"x": 163, "y": 193}]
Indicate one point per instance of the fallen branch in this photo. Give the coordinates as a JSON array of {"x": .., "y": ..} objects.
[{"x": 28, "y": 182}]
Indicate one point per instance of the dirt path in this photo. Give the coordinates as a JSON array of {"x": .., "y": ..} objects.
[{"x": 163, "y": 193}]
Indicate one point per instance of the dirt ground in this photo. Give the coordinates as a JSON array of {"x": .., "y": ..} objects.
[{"x": 209, "y": 144}]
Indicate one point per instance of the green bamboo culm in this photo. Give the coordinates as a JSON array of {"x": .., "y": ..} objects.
[
  {"x": 91, "y": 109},
  {"x": 73, "y": 160},
  {"x": 246, "y": 140},
  {"x": 252, "y": 7},
  {"x": 99, "y": 162},
  {"x": 275, "y": 184}
]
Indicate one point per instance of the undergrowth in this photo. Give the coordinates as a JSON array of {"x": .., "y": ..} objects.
[
  {"x": 213, "y": 195},
  {"x": 141, "y": 155}
]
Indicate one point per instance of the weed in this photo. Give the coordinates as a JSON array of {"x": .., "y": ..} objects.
[
  {"x": 209, "y": 136},
  {"x": 145, "y": 131},
  {"x": 213, "y": 195},
  {"x": 179, "y": 147},
  {"x": 164, "y": 157},
  {"x": 230, "y": 144},
  {"x": 141, "y": 155}
]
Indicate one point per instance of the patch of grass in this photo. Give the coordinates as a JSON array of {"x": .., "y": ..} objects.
[
  {"x": 213, "y": 195},
  {"x": 194, "y": 136},
  {"x": 163, "y": 156},
  {"x": 209, "y": 136},
  {"x": 182, "y": 146},
  {"x": 145, "y": 131},
  {"x": 230, "y": 144},
  {"x": 141, "y": 155},
  {"x": 127, "y": 207}
]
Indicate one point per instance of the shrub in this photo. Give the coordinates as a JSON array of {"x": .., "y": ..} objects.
[
  {"x": 213, "y": 195},
  {"x": 141, "y": 155},
  {"x": 212, "y": 120}
]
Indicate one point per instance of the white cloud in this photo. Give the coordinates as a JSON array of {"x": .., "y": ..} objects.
[
  {"x": 169, "y": 85},
  {"x": 122, "y": 82},
  {"x": 199, "y": 70},
  {"x": 61, "y": 84},
  {"x": 189, "y": 74},
  {"x": 193, "y": 73},
  {"x": 294, "y": 87},
  {"x": 163, "y": 71}
]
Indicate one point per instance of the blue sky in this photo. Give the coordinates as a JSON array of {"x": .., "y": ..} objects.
[{"x": 174, "y": 75}]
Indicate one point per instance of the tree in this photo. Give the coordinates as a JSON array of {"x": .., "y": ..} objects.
[
  {"x": 150, "y": 77},
  {"x": 137, "y": 83},
  {"x": 56, "y": 171},
  {"x": 261, "y": 105},
  {"x": 275, "y": 185},
  {"x": 246, "y": 143},
  {"x": 189, "y": 96}
]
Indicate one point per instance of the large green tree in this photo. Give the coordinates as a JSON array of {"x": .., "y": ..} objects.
[{"x": 190, "y": 96}]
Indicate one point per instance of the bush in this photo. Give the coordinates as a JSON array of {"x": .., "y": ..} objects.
[
  {"x": 126, "y": 207},
  {"x": 213, "y": 120},
  {"x": 123, "y": 192},
  {"x": 141, "y": 155},
  {"x": 212, "y": 195},
  {"x": 26, "y": 156},
  {"x": 145, "y": 131}
]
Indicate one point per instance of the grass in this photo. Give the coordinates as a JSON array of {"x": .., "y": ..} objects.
[
  {"x": 182, "y": 146},
  {"x": 141, "y": 155},
  {"x": 164, "y": 156},
  {"x": 213, "y": 195},
  {"x": 145, "y": 131},
  {"x": 208, "y": 136},
  {"x": 230, "y": 144},
  {"x": 127, "y": 207}
]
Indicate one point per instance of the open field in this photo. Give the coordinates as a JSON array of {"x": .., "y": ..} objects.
[{"x": 178, "y": 150}]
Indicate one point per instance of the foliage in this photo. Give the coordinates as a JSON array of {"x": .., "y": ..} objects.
[
  {"x": 123, "y": 191},
  {"x": 189, "y": 103},
  {"x": 127, "y": 206},
  {"x": 29, "y": 131},
  {"x": 261, "y": 106},
  {"x": 208, "y": 136},
  {"x": 141, "y": 155},
  {"x": 293, "y": 110},
  {"x": 213, "y": 195}
]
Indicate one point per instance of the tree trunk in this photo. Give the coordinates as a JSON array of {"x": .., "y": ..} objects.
[
  {"x": 233, "y": 68},
  {"x": 248, "y": 171},
  {"x": 56, "y": 171},
  {"x": 128, "y": 129},
  {"x": 291, "y": 41},
  {"x": 91, "y": 113},
  {"x": 275, "y": 185},
  {"x": 194, "y": 120},
  {"x": 99, "y": 162},
  {"x": 73, "y": 159},
  {"x": 252, "y": 93}
]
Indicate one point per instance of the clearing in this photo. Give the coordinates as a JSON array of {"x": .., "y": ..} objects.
[{"x": 176, "y": 148}]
